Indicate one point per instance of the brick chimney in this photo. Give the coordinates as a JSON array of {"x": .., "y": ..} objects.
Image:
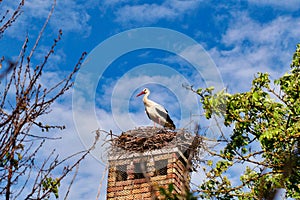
[{"x": 139, "y": 166}]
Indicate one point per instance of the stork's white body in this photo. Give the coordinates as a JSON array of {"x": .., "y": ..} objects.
[{"x": 156, "y": 112}]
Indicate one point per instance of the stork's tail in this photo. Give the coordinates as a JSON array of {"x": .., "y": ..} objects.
[{"x": 169, "y": 124}]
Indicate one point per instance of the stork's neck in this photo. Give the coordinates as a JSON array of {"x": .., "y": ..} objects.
[{"x": 146, "y": 100}]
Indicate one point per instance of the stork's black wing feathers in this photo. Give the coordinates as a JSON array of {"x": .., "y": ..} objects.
[
  {"x": 161, "y": 113},
  {"x": 147, "y": 114},
  {"x": 169, "y": 121}
]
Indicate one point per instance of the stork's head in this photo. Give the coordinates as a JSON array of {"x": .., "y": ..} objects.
[{"x": 145, "y": 91}]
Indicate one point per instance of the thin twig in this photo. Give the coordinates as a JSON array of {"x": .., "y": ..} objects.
[{"x": 72, "y": 181}]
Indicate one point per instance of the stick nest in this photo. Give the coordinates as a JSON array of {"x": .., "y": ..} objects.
[{"x": 149, "y": 138}]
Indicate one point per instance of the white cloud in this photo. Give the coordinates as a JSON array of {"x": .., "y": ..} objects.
[
  {"x": 38, "y": 8},
  {"x": 55, "y": 61},
  {"x": 146, "y": 13},
  {"x": 87, "y": 182},
  {"x": 253, "y": 47},
  {"x": 280, "y": 31},
  {"x": 70, "y": 16},
  {"x": 205, "y": 66}
]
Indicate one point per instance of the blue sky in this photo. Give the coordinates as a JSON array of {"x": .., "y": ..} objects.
[{"x": 237, "y": 39}]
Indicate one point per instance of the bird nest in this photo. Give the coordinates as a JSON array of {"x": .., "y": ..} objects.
[{"x": 146, "y": 139}]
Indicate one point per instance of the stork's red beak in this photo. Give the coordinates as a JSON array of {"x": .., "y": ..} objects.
[{"x": 142, "y": 92}]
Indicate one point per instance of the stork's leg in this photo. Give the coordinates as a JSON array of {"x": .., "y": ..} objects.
[{"x": 159, "y": 121}]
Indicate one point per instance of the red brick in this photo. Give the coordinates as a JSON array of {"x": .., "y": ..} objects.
[
  {"x": 110, "y": 194},
  {"x": 157, "y": 178},
  {"x": 128, "y": 187},
  {"x": 138, "y": 181},
  {"x": 145, "y": 184},
  {"x": 123, "y": 183},
  {"x": 123, "y": 193},
  {"x": 113, "y": 189},
  {"x": 141, "y": 190}
]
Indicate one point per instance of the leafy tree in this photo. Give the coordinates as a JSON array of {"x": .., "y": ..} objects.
[
  {"x": 265, "y": 137},
  {"x": 23, "y": 100}
]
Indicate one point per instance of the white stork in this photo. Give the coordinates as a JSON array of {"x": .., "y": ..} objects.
[{"x": 156, "y": 112}]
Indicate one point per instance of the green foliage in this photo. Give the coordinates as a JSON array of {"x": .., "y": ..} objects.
[
  {"x": 267, "y": 117},
  {"x": 170, "y": 194},
  {"x": 52, "y": 185}
]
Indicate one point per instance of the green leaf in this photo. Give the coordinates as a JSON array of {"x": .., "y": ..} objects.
[
  {"x": 255, "y": 96},
  {"x": 209, "y": 162}
]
